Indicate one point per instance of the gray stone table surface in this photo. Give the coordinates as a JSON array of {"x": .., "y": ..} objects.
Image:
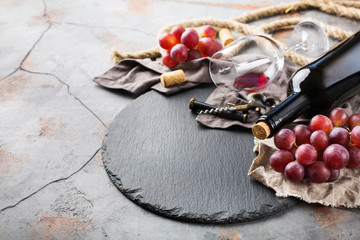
[{"x": 53, "y": 119}]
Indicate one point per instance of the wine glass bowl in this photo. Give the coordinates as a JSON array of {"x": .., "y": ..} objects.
[
  {"x": 249, "y": 63},
  {"x": 308, "y": 39}
]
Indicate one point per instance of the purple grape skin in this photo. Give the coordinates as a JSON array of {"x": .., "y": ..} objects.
[
  {"x": 319, "y": 139},
  {"x": 193, "y": 54},
  {"x": 179, "y": 52},
  {"x": 190, "y": 39},
  {"x": 336, "y": 156},
  {"x": 340, "y": 136},
  {"x": 334, "y": 175},
  {"x": 279, "y": 159},
  {"x": 355, "y": 135},
  {"x": 284, "y": 139},
  {"x": 294, "y": 172},
  {"x": 339, "y": 117},
  {"x": 306, "y": 154},
  {"x": 318, "y": 172},
  {"x": 354, "y": 120},
  {"x": 293, "y": 150},
  {"x": 354, "y": 161},
  {"x": 302, "y": 133}
]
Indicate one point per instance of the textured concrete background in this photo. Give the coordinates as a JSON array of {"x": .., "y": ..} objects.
[{"x": 53, "y": 118}]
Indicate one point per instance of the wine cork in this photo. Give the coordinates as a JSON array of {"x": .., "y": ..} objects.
[
  {"x": 261, "y": 130},
  {"x": 225, "y": 36},
  {"x": 172, "y": 78}
]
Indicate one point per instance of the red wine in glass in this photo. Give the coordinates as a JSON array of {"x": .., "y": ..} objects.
[{"x": 251, "y": 80}]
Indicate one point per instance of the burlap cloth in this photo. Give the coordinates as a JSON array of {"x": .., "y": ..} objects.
[
  {"x": 344, "y": 192},
  {"x": 139, "y": 76}
]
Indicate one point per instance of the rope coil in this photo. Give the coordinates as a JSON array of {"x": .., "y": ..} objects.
[{"x": 348, "y": 9}]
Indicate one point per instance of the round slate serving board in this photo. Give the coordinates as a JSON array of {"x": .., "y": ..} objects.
[{"x": 158, "y": 156}]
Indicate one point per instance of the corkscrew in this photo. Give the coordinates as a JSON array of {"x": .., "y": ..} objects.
[
  {"x": 228, "y": 112},
  {"x": 232, "y": 107},
  {"x": 256, "y": 102},
  {"x": 217, "y": 110}
]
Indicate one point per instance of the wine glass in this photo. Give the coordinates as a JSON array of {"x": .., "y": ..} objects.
[
  {"x": 308, "y": 39},
  {"x": 251, "y": 62}
]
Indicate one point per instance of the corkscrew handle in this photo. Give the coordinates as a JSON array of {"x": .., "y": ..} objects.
[{"x": 198, "y": 106}]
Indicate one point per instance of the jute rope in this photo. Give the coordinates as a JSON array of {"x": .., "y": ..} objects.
[{"x": 348, "y": 9}]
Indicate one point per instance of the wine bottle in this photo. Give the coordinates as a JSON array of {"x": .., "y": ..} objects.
[{"x": 317, "y": 87}]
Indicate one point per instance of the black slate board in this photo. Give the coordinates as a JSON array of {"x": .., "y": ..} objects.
[{"x": 158, "y": 156}]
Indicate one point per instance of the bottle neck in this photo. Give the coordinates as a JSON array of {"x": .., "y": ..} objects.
[{"x": 286, "y": 112}]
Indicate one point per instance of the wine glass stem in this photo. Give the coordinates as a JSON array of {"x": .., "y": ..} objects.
[{"x": 301, "y": 45}]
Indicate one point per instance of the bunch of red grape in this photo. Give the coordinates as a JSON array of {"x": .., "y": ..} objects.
[
  {"x": 183, "y": 45},
  {"x": 320, "y": 150}
]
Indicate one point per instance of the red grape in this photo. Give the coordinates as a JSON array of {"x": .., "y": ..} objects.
[
  {"x": 218, "y": 46},
  {"x": 279, "y": 159},
  {"x": 336, "y": 156},
  {"x": 339, "y": 117},
  {"x": 207, "y": 46},
  {"x": 177, "y": 31},
  {"x": 294, "y": 172},
  {"x": 318, "y": 172},
  {"x": 354, "y": 120},
  {"x": 306, "y": 154},
  {"x": 284, "y": 139},
  {"x": 207, "y": 31},
  {"x": 193, "y": 54},
  {"x": 302, "y": 133},
  {"x": 319, "y": 139},
  {"x": 168, "y": 60},
  {"x": 190, "y": 39},
  {"x": 334, "y": 174},
  {"x": 354, "y": 161},
  {"x": 179, "y": 53},
  {"x": 167, "y": 41},
  {"x": 340, "y": 136},
  {"x": 355, "y": 135},
  {"x": 293, "y": 150},
  {"x": 321, "y": 122},
  {"x": 192, "y": 29}
]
